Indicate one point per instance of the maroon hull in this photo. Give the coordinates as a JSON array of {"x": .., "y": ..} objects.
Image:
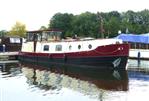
[{"x": 103, "y": 55}]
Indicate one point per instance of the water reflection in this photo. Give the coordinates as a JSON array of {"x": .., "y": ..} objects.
[
  {"x": 139, "y": 75},
  {"x": 87, "y": 82},
  {"x": 10, "y": 69},
  {"x": 19, "y": 82}
]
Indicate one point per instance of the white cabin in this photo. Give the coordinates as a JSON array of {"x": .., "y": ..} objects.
[{"x": 63, "y": 46}]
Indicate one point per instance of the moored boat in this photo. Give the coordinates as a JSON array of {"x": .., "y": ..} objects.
[
  {"x": 10, "y": 44},
  {"x": 45, "y": 47},
  {"x": 10, "y": 47}
]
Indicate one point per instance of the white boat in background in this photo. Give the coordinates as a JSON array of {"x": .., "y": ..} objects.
[{"x": 139, "y": 45}]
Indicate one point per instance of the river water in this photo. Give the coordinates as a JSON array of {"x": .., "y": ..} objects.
[{"x": 29, "y": 83}]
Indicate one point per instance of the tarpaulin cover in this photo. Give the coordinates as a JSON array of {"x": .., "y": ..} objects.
[{"x": 142, "y": 38}]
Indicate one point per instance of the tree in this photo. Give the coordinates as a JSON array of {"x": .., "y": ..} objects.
[
  {"x": 86, "y": 24},
  {"x": 18, "y": 29},
  {"x": 107, "y": 24},
  {"x": 43, "y": 28},
  {"x": 62, "y": 22},
  {"x": 144, "y": 20},
  {"x": 3, "y": 33}
]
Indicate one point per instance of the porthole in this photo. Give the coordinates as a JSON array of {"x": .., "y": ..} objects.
[
  {"x": 89, "y": 46},
  {"x": 79, "y": 46},
  {"x": 46, "y": 48},
  {"x": 70, "y": 47},
  {"x": 58, "y": 48}
]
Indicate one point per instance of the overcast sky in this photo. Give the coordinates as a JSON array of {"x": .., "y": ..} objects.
[{"x": 35, "y": 13}]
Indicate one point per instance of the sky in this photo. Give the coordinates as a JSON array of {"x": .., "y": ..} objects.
[{"x": 37, "y": 13}]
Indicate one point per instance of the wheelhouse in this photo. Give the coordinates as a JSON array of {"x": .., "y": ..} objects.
[{"x": 44, "y": 35}]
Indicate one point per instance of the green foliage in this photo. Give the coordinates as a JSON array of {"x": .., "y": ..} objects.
[
  {"x": 91, "y": 24},
  {"x": 18, "y": 29},
  {"x": 86, "y": 24},
  {"x": 3, "y": 33},
  {"x": 42, "y": 28},
  {"x": 62, "y": 22}
]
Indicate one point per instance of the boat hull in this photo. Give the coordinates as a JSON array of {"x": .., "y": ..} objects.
[{"x": 103, "y": 57}]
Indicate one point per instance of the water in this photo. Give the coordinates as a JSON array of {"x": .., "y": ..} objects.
[
  {"x": 29, "y": 83},
  {"x": 144, "y": 64}
]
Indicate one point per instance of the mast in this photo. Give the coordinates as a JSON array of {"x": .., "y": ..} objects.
[{"x": 101, "y": 29}]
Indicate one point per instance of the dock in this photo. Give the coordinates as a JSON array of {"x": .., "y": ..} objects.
[
  {"x": 9, "y": 61},
  {"x": 134, "y": 66},
  {"x": 8, "y": 56},
  {"x": 134, "y": 53}
]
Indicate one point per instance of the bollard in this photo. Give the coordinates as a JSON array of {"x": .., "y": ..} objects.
[
  {"x": 4, "y": 48},
  {"x": 138, "y": 58}
]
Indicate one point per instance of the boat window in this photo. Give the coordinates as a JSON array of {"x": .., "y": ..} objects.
[
  {"x": 38, "y": 37},
  {"x": 89, "y": 46},
  {"x": 54, "y": 35},
  {"x": 70, "y": 47},
  {"x": 30, "y": 37},
  {"x": 58, "y": 48},
  {"x": 44, "y": 36},
  {"x": 46, "y": 48},
  {"x": 79, "y": 46},
  {"x": 15, "y": 40}
]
